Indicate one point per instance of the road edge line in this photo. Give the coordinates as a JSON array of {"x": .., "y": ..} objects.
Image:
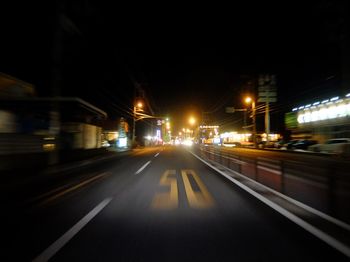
[
  {"x": 295, "y": 202},
  {"x": 303, "y": 224}
]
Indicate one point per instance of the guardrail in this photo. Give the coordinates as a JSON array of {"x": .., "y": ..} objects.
[{"x": 319, "y": 182}]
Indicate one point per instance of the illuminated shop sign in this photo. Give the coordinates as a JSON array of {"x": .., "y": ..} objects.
[
  {"x": 324, "y": 110},
  {"x": 208, "y": 127}
]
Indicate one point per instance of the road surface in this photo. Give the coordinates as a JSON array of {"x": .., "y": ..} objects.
[{"x": 154, "y": 204}]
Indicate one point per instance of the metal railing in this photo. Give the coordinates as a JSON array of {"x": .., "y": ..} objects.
[{"x": 320, "y": 182}]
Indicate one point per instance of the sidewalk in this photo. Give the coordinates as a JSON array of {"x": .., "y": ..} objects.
[
  {"x": 67, "y": 166},
  {"x": 24, "y": 174},
  {"x": 18, "y": 185}
]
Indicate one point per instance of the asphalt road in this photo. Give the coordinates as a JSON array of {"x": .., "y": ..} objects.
[{"x": 156, "y": 204}]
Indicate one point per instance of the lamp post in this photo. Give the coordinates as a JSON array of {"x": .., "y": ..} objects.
[
  {"x": 137, "y": 106},
  {"x": 249, "y": 100},
  {"x": 192, "y": 121}
]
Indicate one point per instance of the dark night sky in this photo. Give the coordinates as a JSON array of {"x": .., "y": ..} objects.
[{"x": 196, "y": 58}]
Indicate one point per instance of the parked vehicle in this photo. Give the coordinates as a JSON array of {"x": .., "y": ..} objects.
[
  {"x": 279, "y": 144},
  {"x": 265, "y": 144},
  {"x": 303, "y": 144},
  {"x": 289, "y": 144},
  {"x": 335, "y": 146}
]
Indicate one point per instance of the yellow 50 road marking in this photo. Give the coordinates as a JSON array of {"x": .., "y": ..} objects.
[
  {"x": 170, "y": 200},
  {"x": 201, "y": 199}
]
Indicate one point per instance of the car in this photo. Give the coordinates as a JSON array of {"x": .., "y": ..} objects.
[
  {"x": 266, "y": 144},
  {"x": 334, "y": 146},
  {"x": 289, "y": 144},
  {"x": 105, "y": 143},
  {"x": 279, "y": 144},
  {"x": 303, "y": 144}
]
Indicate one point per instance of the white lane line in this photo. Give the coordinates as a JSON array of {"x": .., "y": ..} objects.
[
  {"x": 143, "y": 167},
  {"x": 156, "y": 155},
  {"x": 308, "y": 227},
  {"x": 59, "y": 243}
]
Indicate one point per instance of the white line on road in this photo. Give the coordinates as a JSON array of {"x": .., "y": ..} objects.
[
  {"x": 143, "y": 167},
  {"x": 305, "y": 225},
  {"x": 59, "y": 243},
  {"x": 156, "y": 155}
]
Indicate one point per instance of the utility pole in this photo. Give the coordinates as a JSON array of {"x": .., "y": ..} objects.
[
  {"x": 267, "y": 94},
  {"x": 57, "y": 56},
  {"x": 133, "y": 125},
  {"x": 267, "y": 120},
  {"x": 254, "y": 123}
]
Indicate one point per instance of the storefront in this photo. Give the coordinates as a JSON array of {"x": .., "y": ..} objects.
[{"x": 321, "y": 120}]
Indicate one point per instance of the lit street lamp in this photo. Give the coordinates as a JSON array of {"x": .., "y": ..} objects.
[
  {"x": 249, "y": 100},
  {"x": 192, "y": 121}
]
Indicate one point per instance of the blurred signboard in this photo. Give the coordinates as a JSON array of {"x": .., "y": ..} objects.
[
  {"x": 267, "y": 94},
  {"x": 291, "y": 120},
  {"x": 267, "y": 89},
  {"x": 267, "y": 99},
  {"x": 230, "y": 109}
]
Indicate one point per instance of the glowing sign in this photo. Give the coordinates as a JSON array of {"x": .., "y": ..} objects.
[
  {"x": 122, "y": 142},
  {"x": 208, "y": 127},
  {"x": 324, "y": 112}
]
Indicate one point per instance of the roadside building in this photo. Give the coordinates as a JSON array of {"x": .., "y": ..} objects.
[
  {"x": 26, "y": 126},
  {"x": 320, "y": 120}
]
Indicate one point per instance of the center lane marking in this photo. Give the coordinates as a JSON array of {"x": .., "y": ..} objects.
[
  {"x": 156, "y": 155},
  {"x": 59, "y": 243},
  {"x": 143, "y": 167}
]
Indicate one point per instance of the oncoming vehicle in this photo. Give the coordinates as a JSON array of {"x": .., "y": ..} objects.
[{"x": 334, "y": 146}]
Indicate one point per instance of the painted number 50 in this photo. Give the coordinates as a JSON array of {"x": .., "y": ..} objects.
[{"x": 169, "y": 200}]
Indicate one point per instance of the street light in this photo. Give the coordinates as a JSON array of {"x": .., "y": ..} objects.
[
  {"x": 137, "y": 106},
  {"x": 249, "y": 100},
  {"x": 192, "y": 121}
]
